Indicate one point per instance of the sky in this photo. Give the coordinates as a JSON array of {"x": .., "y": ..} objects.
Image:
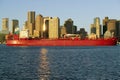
[{"x": 82, "y": 12}]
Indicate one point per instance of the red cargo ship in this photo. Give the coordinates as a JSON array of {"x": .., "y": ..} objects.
[{"x": 61, "y": 42}]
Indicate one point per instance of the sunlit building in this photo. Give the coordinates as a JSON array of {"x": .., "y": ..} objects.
[
  {"x": 31, "y": 22},
  {"x": 45, "y": 28},
  {"x": 98, "y": 26},
  {"x": 38, "y": 26},
  {"x": 92, "y": 29},
  {"x": 5, "y": 26},
  {"x": 54, "y": 28},
  {"x": 63, "y": 31},
  {"x": 111, "y": 26}
]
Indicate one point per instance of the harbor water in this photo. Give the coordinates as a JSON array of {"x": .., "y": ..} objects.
[{"x": 60, "y": 63}]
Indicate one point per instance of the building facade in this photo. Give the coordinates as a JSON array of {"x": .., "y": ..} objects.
[
  {"x": 15, "y": 25},
  {"x": 54, "y": 28},
  {"x": 31, "y": 23},
  {"x": 118, "y": 28},
  {"x": 111, "y": 26},
  {"x": 5, "y": 26},
  {"x": 105, "y": 21},
  {"x": 38, "y": 25},
  {"x": 92, "y": 29},
  {"x": 98, "y": 26},
  {"x": 74, "y": 29},
  {"x": 63, "y": 31},
  {"x": 69, "y": 26},
  {"x": 45, "y": 28},
  {"x": 83, "y": 33}
]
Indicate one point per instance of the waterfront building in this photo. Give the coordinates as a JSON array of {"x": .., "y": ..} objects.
[
  {"x": 105, "y": 21},
  {"x": 69, "y": 26},
  {"x": 31, "y": 17},
  {"x": 63, "y": 31},
  {"x": 108, "y": 34},
  {"x": 5, "y": 26},
  {"x": 15, "y": 25},
  {"x": 54, "y": 26},
  {"x": 98, "y": 26},
  {"x": 118, "y": 28},
  {"x": 83, "y": 33},
  {"x": 38, "y": 25},
  {"x": 31, "y": 22},
  {"x": 111, "y": 26},
  {"x": 31, "y": 29},
  {"x": 25, "y": 25},
  {"x": 45, "y": 28},
  {"x": 74, "y": 29},
  {"x": 92, "y": 29}
]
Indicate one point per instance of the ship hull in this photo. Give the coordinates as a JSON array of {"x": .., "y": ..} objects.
[{"x": 60, "y": 42}]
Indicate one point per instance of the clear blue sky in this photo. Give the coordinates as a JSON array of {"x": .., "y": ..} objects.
[{"x": 82, "y": 12}]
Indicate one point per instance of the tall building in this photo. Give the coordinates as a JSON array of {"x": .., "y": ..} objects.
[
  {"x": 45, "y": 28},
  {"x": 83, "y": 33},
  {"x": 105, "y": 21},
  {"x": 118, "y": 28},
  {"x": 5, "y": 25},
  {"x": 31, "y": 22},
  {"x": 15, "y": 24},
  {"x": 92, "y": 29},
  {"x": 98, "y": 26},
  {"x": 25, "y": 25},
  {"x": 54, "y": 26},
  {"x": 63, "y": 31},
  {"x": 31, "y": 17},
  {"x": 69, "y": 26},
  {"x": 74, "y": 29},
  {"x": 111, "y": 26},
  {"x": 38, "y": 25}
]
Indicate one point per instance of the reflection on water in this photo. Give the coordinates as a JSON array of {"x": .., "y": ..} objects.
[
  {"x": 44, "y": 70},
  {"x": 60, "y": 63}
]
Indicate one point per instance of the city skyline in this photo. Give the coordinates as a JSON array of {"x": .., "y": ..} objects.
[{"x": 82, "y": 12}]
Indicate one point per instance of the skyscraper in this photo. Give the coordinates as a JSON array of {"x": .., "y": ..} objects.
[
  {"x": 31, "y": 22},
  {"x": 5, "y": 24},
  {"x": 111, "y": 26},
  {"x": 38, "y": 25},
  {"x": 62, "y": 31},
  {"x": 105, "y": 21},
  {"x": 74, "y": 29},
  {"x": 69, "y": 26},
  {"x": 98, "y": 26},
  {"x": 45, "y": 28},
  {"x": 15, "y": 24},
  {"x": 118, "y": 28},
  {"x": 31, "y": 17},
  {"x": 54, "y": 26},
  {"x": 83, "y": 33},
  {"x": 92, "y": 29}
]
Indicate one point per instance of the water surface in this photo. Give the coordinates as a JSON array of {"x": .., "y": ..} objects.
[{"x": 60, "y": 63}]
